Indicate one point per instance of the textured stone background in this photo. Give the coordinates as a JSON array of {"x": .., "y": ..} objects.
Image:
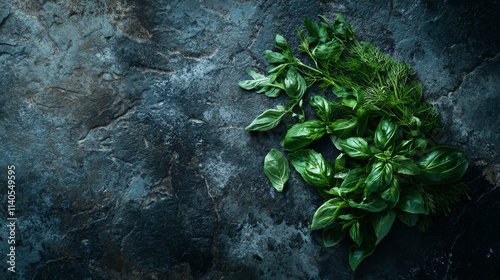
[{"x": 125, "y": 122}]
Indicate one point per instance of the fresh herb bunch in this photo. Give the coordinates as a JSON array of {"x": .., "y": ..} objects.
[{"x": 389, "y": 165}]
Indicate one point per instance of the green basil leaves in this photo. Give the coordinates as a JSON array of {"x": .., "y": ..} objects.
[{"x": 376, "y": 119}]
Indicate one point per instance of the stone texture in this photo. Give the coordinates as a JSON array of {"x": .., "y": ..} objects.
[{"x": 125, "y": 123}]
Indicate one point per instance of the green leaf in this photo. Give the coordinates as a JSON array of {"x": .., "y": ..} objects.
[
  {"x": 327, "y": 213},
  {"x": 329, "y": 51},
  {"x": 372, "y": 204},
  {"x": 277, "y": 169},
  {"x": 301, "y": 157},
  {"x": 385, "y": 134},
  {"x": 281, "y": 41},
  {"x": 300, "y": 135},
  {"x": 411, "y": 201},
  {"x": 342, "y": 127},
  {"x": 356, "y": 234},
  {"x": 295, "y": 85},
  {"x": 356, "y": 147},
  {"x": 408, "y": 219},
  {"x": 318, "y": 174},
  {"x": 322, "y": 107},
  {"x": 267, "y": 120},
  {"x": 358, "y": 253},
  {"x": 347, "y": 31},
  {"x": 352, "y": 179},
  {"x": 312, "y": 29},
  {"x": 274, "y": 57},
  {"x": 391, "y": 194},
  {"x": 273, "y": 92},
  {"x": 258, "y": 82},
  {"x": 333, "y": 234},
  {"x": 342, "y": 93},
  {"x": 340, "y": 162},
  {"x": 313, "y": 168},
  {"x": 382, "y": 223},
  {"x": 404, "y": 165},
  {"x": 379, "y": 178},
  {"x": 442, "y": 165}
]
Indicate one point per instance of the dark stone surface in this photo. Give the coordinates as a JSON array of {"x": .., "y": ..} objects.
[{"x": 125, "y": 123}]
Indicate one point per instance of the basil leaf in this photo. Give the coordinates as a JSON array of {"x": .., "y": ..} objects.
[
  {"x": 385, "y": 133},
  {"x": 329, "y": 51},
  {"x": 343, "y": 93},
  {"x": 312, "y": 29},
  {"x": 258, "y": 82},
  {"x": 358, "y": 253},
  {"x": 408, "y": 219},
  {"x": 277, "y": 169},
  {"x": 352, "y": 179},
  {"x": 382, "y": 223},
  {"x": 300, "y": 158},
  {"x": 327, "y": 213},
  {"x": 313, "y": 168},
  {"x": 318, "y": 174},
  {"x": 404, "y": 165},
  {"x": 342, "y": 128},
  {"x": 340, "y": 162},
  {"x": 391, "y": 194},
  {"x": 371, "y": 204},
  {"x": 295, "y": 85},
  {"x": 356, "y": 147},
  {"x": 300, "y": 135},
  {"x": 280, "y": 40},
  {"x": 273, "y": 92},
  {"x": 411, "y": 201},
  {"x": 322, "y": 107},
  {"x": 333, "y": 234},
  {"x": 351, "y": 103},
  {"x": 379, "y": 178},
  {"x": 442, "y": 165},
  {"x": 267, "y": 120},
  {"x": 356, "y": 234},
  {"x": 274, "y": 57}
]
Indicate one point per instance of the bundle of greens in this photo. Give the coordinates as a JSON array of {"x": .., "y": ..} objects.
[{"x": 389, "y": 165}]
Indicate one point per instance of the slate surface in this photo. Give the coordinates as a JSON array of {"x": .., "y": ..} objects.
[{"x": 125, "y": 123}]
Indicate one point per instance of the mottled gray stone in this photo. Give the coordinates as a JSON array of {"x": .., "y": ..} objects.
[{"x": 125, "y": 123}]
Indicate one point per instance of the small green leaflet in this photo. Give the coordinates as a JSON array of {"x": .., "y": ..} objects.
[
  {"x": 371, "y": 204},
  {"x": 442, "y": 165},
  {"x": 322, "y": 107},
  {"x": 356, "y": 147},
  {"x": 358, "y": 253},
  {"x": 267, "y": 120},
  {"x": 277, "y": 169},
  {"x": 379, "y": 178},
  {"x": 295, "y": 85},
  {"x": 327, "y": 213},
  {"x": 258, "y": 82},
  {"x": 313, "y": 168},
  {"x": 382, "y": 223},
  {"x": 404, "y": 165},
  {"x": 281, "y": 41},
  {"x": 385, "y": 133},
  {"x": 303, "y": 134},
  {"x": 274, "y": 57},
  {"x": 411, "y": 201}
]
